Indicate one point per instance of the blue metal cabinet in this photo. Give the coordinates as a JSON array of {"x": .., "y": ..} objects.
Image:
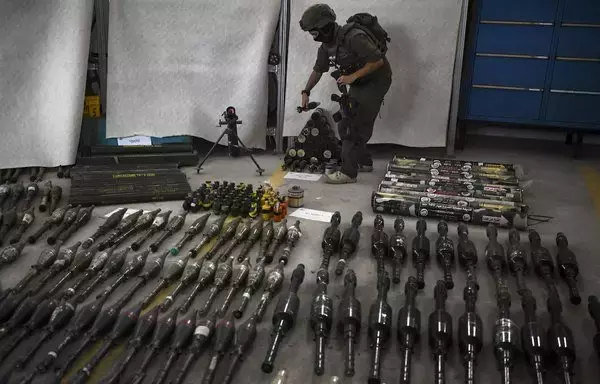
[{"x": 533, "y": 62}]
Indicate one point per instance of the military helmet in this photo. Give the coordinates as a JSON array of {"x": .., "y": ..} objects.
[{"x": 317, "y": 16}]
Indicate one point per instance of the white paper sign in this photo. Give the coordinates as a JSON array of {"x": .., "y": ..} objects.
[
  {"x": 312, "y": 214},
  {"x": 302, "y": 176},
  {"x": 134, "y": 140}
]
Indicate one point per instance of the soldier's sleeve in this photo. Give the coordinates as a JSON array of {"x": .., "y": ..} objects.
[
  {"x": 322, "y": 63},
  {"x": 364, "y": 48}
]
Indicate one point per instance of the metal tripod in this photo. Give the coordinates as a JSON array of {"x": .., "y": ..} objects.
[{"x": 231, "y": 121}]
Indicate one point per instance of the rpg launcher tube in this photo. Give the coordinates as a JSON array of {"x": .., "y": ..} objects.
[
  {"x": 560, "y": 340},
  {"x": 506, "y": 332},
  {"x": 349, "y": 243},
  {"x": 272, "y": 287},
  {"x": 45, "y": 201},
  {"x": 31, "y": 193},
  {"x": 331, "y": 240},
  {"x": 321, "y": 320},
  {"x": 533, "y": 338},
  {"x": 444, "y": 251},
  {"x": 440, "y": 332},
  {"x": 241, "y": 234},
  {"x": 82, "y": 261},
  {"x": 111, "y": 222},
  {"x": 181, "y": 339},
  {"x": 253, "y": 282},
  {"x": 143, "y": 330},
  {"x": 205, "y": 329},
  {"x": 222, "y": 277},
  {"x": 23, "y": 225},
  {"x": 172, "y": 272},
  {"x": 130, "y": 269},
  {"x": 96, "y": 265},
  {"x": 162, "y": 334},
  {"x": 124, "y": 325},
  {"x": 206, "y": 277},
  {"x": 380, "y": 327},
  {"x": 38, "y": 319},
  {"x": 112, "y": 267},
  {"x": 83, "y": 217},
  {"x": 284, "y": 318},
  {"x": 379, "y": 244},
  {"x": 124, "y": 225},
  {"x": 101, "y": 327},
  {"x": 224, "y": 334},
  {"x": 397, "y": 251},
  {"x": 266, "y": 238},
  {"x": 45, "y": 260},
  {"x": 253, "y": 237},
  {"x": 174, "y": 225},
  {"x": 420, "y": 252},
  {"x": 83, "y": 320},
  {"x": 193, "y": 230},
  {"x": 470, "y": 332},
  {"x": 349, "y": 323},
  {"x": 9, "y": 219},
  {"x": 143, "y": 223},
  {"x": 467, "y": 253},
  {"x": 568, "y": 267},
  {"x": 281, "y": 377},
  {"x": 244, "y": 339},
  {"x": 11, "y": 253},
  {"x": 213, "y": 231},
  {"x": 159, "y": 223},
  {"x": 55, "y": 197},
  {"x": 517, "y": 259},
  {"x": 594, "y": 310},
  {"x": 63, "y": 260},
  {"x": 238, "y": 278},
  {"x": 190, "y": 274},
  {"x": 55, "y": 219},
  {"x": 59, "y": 318},
  {"x": 279, "y": 237},
  {"x": 224, "y": 237},
  {"x": 294, "y": 233},
  {"x": 409, "y": 328},
  {"x": 69, "y": 218}
]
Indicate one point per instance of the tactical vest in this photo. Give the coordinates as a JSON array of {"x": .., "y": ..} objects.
[{"x": 341, "y": 57}]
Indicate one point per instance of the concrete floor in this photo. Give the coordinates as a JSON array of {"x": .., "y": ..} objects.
[{"x": 561, "y": 187}]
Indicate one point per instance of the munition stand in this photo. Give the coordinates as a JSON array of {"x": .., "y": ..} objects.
[{"x": 231, "y": 121}]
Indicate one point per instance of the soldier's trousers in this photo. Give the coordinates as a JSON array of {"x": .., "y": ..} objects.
[{"x": 356, "y": 130}]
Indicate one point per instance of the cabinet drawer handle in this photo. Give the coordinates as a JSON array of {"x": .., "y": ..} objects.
[
  {"x": 564, "y": 58},
  {"x": 575, "y": 92},
  {"x": 508, "y": 22},
  {"x": 585, "y": 25},
  {"x": 512, "y": 56},
  {"x": 507, "y": 88}
]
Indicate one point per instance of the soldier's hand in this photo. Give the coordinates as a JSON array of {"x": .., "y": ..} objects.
[
  {"x": 346, "y": 80},
  {"x": 305, "y": 100}
]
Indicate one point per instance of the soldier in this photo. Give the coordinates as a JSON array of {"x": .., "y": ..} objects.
[{"x": 359, "y": 54}]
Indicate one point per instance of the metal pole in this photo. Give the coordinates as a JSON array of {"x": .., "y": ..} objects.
[
  {"x": 284, "y": 17},
  {"x": 456, "y": 78},
  {"x": 101, "y": 9}
]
